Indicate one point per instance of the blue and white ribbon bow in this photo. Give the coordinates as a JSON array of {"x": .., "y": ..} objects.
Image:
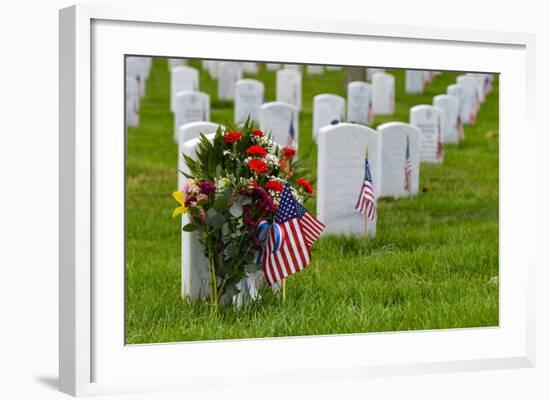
[{"x": 263, "y": 230}]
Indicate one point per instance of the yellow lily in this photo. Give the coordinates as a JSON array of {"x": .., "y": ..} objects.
[{"x": 180, "y": 197}]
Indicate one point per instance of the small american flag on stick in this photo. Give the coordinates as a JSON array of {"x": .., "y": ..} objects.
[
  {"x": 294, "y": 254},
  {"x": 366, "y": 202},
  {"x": 439, "y": 150},
  {"x": 311, "y": 227},
  {"x": 291, "y": 133},
  {"x": 408, "y": 168}
]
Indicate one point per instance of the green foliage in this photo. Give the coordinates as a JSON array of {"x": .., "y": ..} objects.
[{"x": 429, "y": 267}]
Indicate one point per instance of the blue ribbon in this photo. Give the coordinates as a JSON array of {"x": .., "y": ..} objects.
[{"x": 263, "y": 230}]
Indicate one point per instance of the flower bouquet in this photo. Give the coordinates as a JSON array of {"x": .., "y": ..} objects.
[{"x": 234, "y": 187}]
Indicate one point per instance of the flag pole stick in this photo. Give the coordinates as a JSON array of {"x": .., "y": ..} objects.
[
  {"x": 366, "y": 218},
  {"x": 283, "y": 290}
]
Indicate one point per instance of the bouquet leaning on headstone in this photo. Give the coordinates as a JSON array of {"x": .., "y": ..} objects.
[{"x": 244, "y": 194}]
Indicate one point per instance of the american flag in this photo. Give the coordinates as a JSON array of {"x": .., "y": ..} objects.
[
  {"x": 311, "y": 227},
  {"x": 293, "y": 254},
  {"x": 369, "y": 112},
  {"x": 291, "y": 133},
  {"x": 408, "y": 168},
  {"x": 459, "y": 127},
  {"x": 366, "y": 202},
  {"x": 439, "y": 150}
]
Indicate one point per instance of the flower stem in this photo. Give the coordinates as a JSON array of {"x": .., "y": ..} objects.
[{"x": 213, "y": 285}]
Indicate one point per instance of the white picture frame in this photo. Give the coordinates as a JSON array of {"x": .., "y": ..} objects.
[{"x": 93, "y": 357}]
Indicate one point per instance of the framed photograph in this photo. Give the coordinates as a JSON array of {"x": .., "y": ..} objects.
[{"x": 291, "y": 200}]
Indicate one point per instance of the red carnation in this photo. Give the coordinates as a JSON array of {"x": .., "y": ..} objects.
[
  {"x": 274, "y": 186},
  {"x": 253, "y": 184},
  {"x": 258, "y": 166},
  {"x": 305, "y": 184},
  {"x": 231, "y": 137},
  {"x": 256, "y": 150},
  {"x": 257, "y": 132},
  {"x": 288, "y": 153}
]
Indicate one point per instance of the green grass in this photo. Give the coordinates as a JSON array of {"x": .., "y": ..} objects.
[{"x": 428, "y": 268}]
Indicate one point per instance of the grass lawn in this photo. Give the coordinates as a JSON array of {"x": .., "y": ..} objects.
[{"x": 429, "y": 267}]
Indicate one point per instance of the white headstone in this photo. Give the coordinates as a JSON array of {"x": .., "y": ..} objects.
[
  {"x": 428, "y": 76},
  {"x": 414, "y": 81},
  {"x": 340, "y": 175},
  {"x": 483, "y": 83},
  {"x": 190, "y": 106},
  {"x": 281, "y": 119},
  {"x": 333, "y": 68},
  {"x": 289, "y": 87},
  {"x": 372, "y": 71},
  {"x": 213, "y": 68},
  {"x": 132, "y": 102},
  {"x": 451, "y": 107},
  {"x": 187, "y": 132},
  {"x": 360, "y": 109},
  {"x": 383, "y": 94},
  {"x": 399, "y": 169},
  {"x": 229, "y": 73},
  {"x": 136, "y": 67},
  {"x": 176, "y": 62},
  {"x": 315, "y": 69},
  {"x": 250, "y": 68},
  {"x": 473, "y": 83},
  {"x": 328, "y": 109},
  {"x": 182, "y": 78},
  {"x": 273, "y": 66},
  {"x": 466, "y": 97},
  {"x": 429, "y": 120},
  {"x": 293, "y": 67},
  {"x": 195, "y": 266},
  {"x": 249, "y": 96}
]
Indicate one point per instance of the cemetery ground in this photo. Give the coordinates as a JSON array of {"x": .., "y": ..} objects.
[{"x": 430, "y": 266}]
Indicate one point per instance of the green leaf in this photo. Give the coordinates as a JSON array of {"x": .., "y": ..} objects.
[
  {"x": 220, "y": 204},
  {"x": 246, "y": 201},
  {"x": 217, "y": 221},
  {"x": 214, "y": 219},
  {"x": 231, "y": 289},
  {"x": 232, "y": 250},
  {"x": 251, "y": 268},
  {"x": 225, "y": 229},
  {"x": 236, "y": 210},
  {"x": 218, "y": 170},
  {"x": 190, "y": 227}
]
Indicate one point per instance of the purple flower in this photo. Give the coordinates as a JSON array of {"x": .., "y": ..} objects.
[
  {"x": 190, "y": 201},
  {"x": 262, "y": 200},
  {"x": 206, "y": 187}
]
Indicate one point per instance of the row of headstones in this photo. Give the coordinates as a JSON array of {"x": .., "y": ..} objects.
[
  {"x": 188, "y": 104},
  {"x": 137, "y": 71},
  {"x": 391, "y": 148},
  {"x": 288, "y": 84},
  {"x": 191, "y": 105}
]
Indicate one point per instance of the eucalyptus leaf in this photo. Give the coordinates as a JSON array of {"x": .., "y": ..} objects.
[
  {"x": 225, "y": 230},
  {"x": 246, "y": 201},
  {"x": 236, "y": 210},
  {"x": 220, "y": 204},
  {"x": 216, "y": 220},
  {"x": 251, "y": 268},
  {"x": 190, "y": 227},
  {"x": 231, "y": 289},
  {"x": 232, "y": 250}
]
